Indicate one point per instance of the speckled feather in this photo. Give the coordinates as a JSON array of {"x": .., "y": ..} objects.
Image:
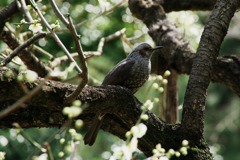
[{"x": 133, "y": 71}]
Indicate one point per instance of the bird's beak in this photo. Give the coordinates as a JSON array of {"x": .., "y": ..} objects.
[{"x": 157, "y": 47}]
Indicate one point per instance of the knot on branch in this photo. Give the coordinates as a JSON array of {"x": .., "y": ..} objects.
[{"x": 145, "y": 9}]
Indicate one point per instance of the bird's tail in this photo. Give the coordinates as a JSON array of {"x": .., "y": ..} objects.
[{"x": 91, "y": 135}]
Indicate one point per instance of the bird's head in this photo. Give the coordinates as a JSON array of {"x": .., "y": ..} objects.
[{"x": 145, "y": 50}]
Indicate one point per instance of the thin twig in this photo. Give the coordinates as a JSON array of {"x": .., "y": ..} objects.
[
  {"x": 89, "y": 54},
  {"x": 29, "y": 59},
  {"x": 84, "y": 74},
  {"x": 49, "y": 151},
  {"x": 56, "y": 38},
  {"x": 78, "y": 45},
  {"x": 58, "y": 13},
  {"x": 64, "y": 58},
  {"x": 61, "y": 59},
  {"x": 126, "y": 40},
  {"x": 103, "y": 13},
  {"x": 23, "y": 87},
  {"x": 3, "y": 56},
  {"x": 29, "y": 139},
  {"x": 25, "y": 11},
  {"x": 22, "y": 47},
  {"x": 110, "y": 37},
  {"x": 103, "y": 41},
  {"x": 42, "y": 51}
]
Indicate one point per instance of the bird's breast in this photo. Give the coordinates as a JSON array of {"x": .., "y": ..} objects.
[{"x": 138, "y": 75}]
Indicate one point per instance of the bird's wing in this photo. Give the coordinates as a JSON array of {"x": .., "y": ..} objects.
[{"x": 119, "y": 73}]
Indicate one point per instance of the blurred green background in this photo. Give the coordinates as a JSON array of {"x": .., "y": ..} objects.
[{"x": 222, "y": 127}]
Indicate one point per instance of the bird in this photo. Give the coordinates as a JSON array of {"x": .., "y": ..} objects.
[{"x": 131, "y": 73}]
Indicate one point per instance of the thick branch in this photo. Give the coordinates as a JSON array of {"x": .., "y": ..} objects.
[
  {"x": 45, "y": 110},
  {"x": 177, "y": 54},
  {"x": 193, "y": 5},
  {"x": 184, "y": 5},
  {"x": 200, "y": 76},
  {"x": 7, "y": 12},
  {"x": 225, "y": 69},
  {"x": 122, "y": 108}
]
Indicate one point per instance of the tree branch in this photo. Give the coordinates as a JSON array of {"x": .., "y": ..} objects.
[
  {"x": 58, "y": 13},
  {"x": 7, "y": 12},
  {"x": 121, "y": 107},
  {"x": 172, "y": 98},
  {"x": 27, "y": 15},
  {"x": 177, "y": 53},
  {"x": 200, "y": 76},
  {"x": 20, "y": 48},
  {"x": 27, "y": 57},
  {"x": 45, "y": 109},
  {"x": 84, "y": 74},
  {"x": 54, "y": 35},
  {"x": 183, "y": 5}
]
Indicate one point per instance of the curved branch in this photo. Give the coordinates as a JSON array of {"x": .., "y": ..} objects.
[
  {"x": 29, "y": 59},
  {"x": 195, "y": 98},
  {"x": 225, "y": 68},
  {"x": 122, "y": 108},
  {"x": 177, "y": 53},
  {"x": 45, "y": 110}
]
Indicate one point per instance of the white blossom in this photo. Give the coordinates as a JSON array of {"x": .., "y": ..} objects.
[
  {"x": 139, "y": 130},
  {"x": 121, "y": 153},
  {"x": 35, "y": 27}
]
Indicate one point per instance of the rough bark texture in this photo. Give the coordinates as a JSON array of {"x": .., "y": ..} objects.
[
  {"x": 122, "y": 108},
  {"x": 164, "y": 33},
  {"x": 225, "y": 69},
  {"x": 176, "y": 5},
  {"x": 172, "y": 98},
  {"x": 177, "y": 53},
  {"x": 200, "y": 76},
  {"x": 7, "y": 12}
]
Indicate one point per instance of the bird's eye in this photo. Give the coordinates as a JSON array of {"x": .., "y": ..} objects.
[
  {"x": 144, "y": 51},
  {"x": 147, "y": 49}
]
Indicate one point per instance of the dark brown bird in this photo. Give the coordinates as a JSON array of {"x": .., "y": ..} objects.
[{"x": 132, "y": 73}]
